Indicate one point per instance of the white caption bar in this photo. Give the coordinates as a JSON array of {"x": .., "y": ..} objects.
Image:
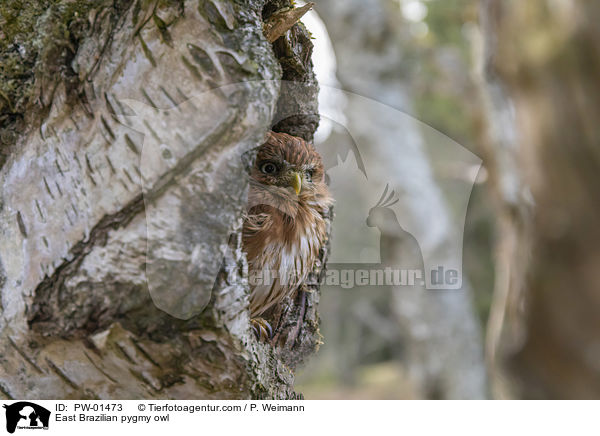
[{"x": 153, "y": 417}]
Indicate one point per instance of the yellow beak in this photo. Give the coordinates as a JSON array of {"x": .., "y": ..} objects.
[{"x": 296, "y": 181}]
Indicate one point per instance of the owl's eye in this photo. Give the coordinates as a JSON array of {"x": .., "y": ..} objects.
[
  {"x": 268, "y": 168},
  {"x": 309, "y": 175}
]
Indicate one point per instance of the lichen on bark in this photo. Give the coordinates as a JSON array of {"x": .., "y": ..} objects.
[{"x": 38, "y": 40}]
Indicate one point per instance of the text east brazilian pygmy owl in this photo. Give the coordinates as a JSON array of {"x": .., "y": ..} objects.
[{"x": 285, "y": 225}]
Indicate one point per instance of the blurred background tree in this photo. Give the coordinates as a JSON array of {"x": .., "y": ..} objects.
[
  {"x": 542, "y": 65},
  {"x": 396, "y": 342}
]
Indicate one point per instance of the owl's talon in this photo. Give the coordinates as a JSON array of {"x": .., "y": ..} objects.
[{"x": 262, "y": 329}]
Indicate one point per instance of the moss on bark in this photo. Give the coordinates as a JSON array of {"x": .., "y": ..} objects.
[{"x": 38, "y": 40}]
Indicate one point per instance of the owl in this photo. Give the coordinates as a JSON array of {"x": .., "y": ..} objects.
[{"x": 285, "y": 226}]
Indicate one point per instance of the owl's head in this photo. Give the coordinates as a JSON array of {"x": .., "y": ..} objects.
[{"x": 290, "y": 165}]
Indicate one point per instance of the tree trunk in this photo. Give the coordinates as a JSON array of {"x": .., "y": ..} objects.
[
  {"x": 542, "y": 70},
  {"x": 121, "y": 270}
]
